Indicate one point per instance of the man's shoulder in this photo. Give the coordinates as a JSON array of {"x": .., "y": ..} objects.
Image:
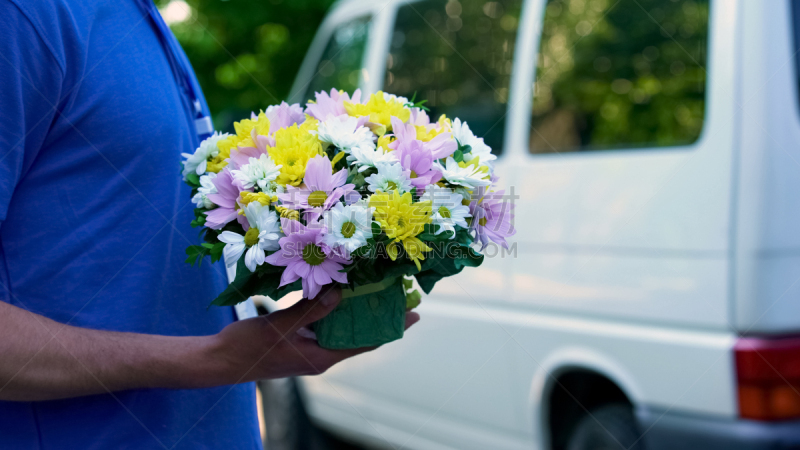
[
  {"x": 46, "y": 20},
  {"x": 62, "y": 25}
]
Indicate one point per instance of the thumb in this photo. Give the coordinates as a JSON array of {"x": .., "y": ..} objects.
[{"x": 307, "y": 311}]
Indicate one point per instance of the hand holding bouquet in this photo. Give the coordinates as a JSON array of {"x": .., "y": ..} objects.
[{"x": 362, "y": 193}]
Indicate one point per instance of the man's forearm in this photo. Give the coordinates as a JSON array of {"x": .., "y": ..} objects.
[{"x": 41, "y": 359}]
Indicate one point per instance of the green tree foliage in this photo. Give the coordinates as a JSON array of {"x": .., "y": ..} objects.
[
  {"x": 246, "y": 53},
  {"x": 615, "y": 74}
]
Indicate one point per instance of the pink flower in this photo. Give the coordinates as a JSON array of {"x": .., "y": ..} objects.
[
  {"x": 419, "y": 117},
  {"x": 331, "y": 105},
  {"x": 414, "y": 156},
  {"x": 321, "y": 188},
  {"x": 442, "y": 146},
  {"x": 240, "y": 156},
  {"x": 225, "y": 198},
  {"x": 492, "y": 216},
  {"x": 284, "y": 115},
  {"x": 306, "y": 257}
]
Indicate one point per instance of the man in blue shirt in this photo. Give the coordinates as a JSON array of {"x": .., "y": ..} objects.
[{"x": 105, "y": 339}]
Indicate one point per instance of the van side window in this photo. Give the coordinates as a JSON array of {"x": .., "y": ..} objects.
[
  {"x": 620, "y": 74},
  {"x": 340, "y": 65},
  {"x": 458, "y": 57}
]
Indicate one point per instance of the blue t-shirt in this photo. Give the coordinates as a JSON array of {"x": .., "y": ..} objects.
[{"x": 94, "y": 219}]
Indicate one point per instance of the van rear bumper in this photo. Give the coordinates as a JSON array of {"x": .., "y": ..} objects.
[{"x": 669, "y": 430}]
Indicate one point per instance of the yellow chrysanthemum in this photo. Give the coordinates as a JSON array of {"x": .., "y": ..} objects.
[
  {"x": 217, "y": 163},
  {"x": 425, "y": 134},
  {"x": 260, "y": 197},
  {"x": 294, "y": 146},
  {"x": 402, "y": 220},
  {"x": 287, "y": 213},
  {"x": 379, "y": 110},
  {"x": 241, "y": 138},
  {"x": 384, "y": 141}
]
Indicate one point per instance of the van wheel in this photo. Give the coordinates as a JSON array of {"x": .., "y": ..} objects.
[
  {"x": 285, "y": 419},
  {"x": 609, "y": 427}
]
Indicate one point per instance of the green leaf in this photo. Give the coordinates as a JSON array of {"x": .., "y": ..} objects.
[
  {"x": 195, "y": 254},
  {"x": 413, "y": 299},
  {"x": 417, "y": 104},
  {"x": 240, "y": 289},
  {"x": 458, "y": 156},
  {"x": 193, "y": 180},
  {"x": 216, "y": 251},
  {"x": 469, "y": 258},
  {"x": 450, "y": 258},
  {"x": 265, "y": 281}
]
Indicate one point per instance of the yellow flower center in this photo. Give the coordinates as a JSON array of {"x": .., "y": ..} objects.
[
  {"x": 444, "y": 212},
  {"x": 414, "y": 174},
  {"x": 251, "y": 237},
  {"x": 313, "y": 255},
  {"x": 482, "y": 221},
  {"x": 348, "y": 229},
  {"x": 317, "y": 198},
  {"x": 260, "y": 197},
  {"x": 391, "y": 185}
]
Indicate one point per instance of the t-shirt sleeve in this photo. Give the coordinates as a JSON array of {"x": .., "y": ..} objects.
[{"x": 30, "y": 88}]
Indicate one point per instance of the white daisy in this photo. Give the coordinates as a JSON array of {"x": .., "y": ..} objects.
[
  {"x": 390, "y": 176},
  {"x": 345, "y": 133},
  {"x": 464, "y": 136},
  {"x": 465, "y": 193},
  {"x": 369, "y": 156},
  {"x": 469, "y": 177},
  {"x": 258, "y": 172},
  {"x": 389, "y": 97},
  {"x": 207, "y": 187},
  {"x": 447, "y": 209},
  {"x": 263, "y": 236},
  {"x": 198, "y": 161},
  {"x": 348, "y": 227}
]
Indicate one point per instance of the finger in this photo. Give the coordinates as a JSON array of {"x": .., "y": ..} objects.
[
  {"x": 411, "y": 319},
  {"x": 326, "y": 358},
  {"x": 307, "y": 311}
]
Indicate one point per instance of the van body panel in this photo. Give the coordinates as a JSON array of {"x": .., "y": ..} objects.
[{"x": 768, "y": 220}]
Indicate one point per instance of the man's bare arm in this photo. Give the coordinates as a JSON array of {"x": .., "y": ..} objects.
[{"x": 41, "y": 359}]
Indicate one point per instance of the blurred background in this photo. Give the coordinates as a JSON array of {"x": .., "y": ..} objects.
[
  {"x": 616, "y": 321},
  {"x": 245, "y": 53}
]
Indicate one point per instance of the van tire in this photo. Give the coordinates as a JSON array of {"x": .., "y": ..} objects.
[
  {"x": 285, "y": 419},
  {"x": 609, "y": 427}
]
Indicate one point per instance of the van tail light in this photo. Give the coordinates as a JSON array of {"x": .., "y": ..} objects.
[{"x": 768, "y": 373}]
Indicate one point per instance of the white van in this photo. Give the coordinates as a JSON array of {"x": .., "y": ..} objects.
[{"x": 652, "y": 297}]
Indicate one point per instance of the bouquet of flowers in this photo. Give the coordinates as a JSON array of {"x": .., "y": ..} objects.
[{"x": 360, "y": 193}]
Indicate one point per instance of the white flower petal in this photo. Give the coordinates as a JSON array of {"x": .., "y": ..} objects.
[{"x": 232, "y": 252}]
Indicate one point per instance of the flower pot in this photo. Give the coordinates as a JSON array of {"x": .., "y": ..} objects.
[{"x": 368, "y": 316}]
